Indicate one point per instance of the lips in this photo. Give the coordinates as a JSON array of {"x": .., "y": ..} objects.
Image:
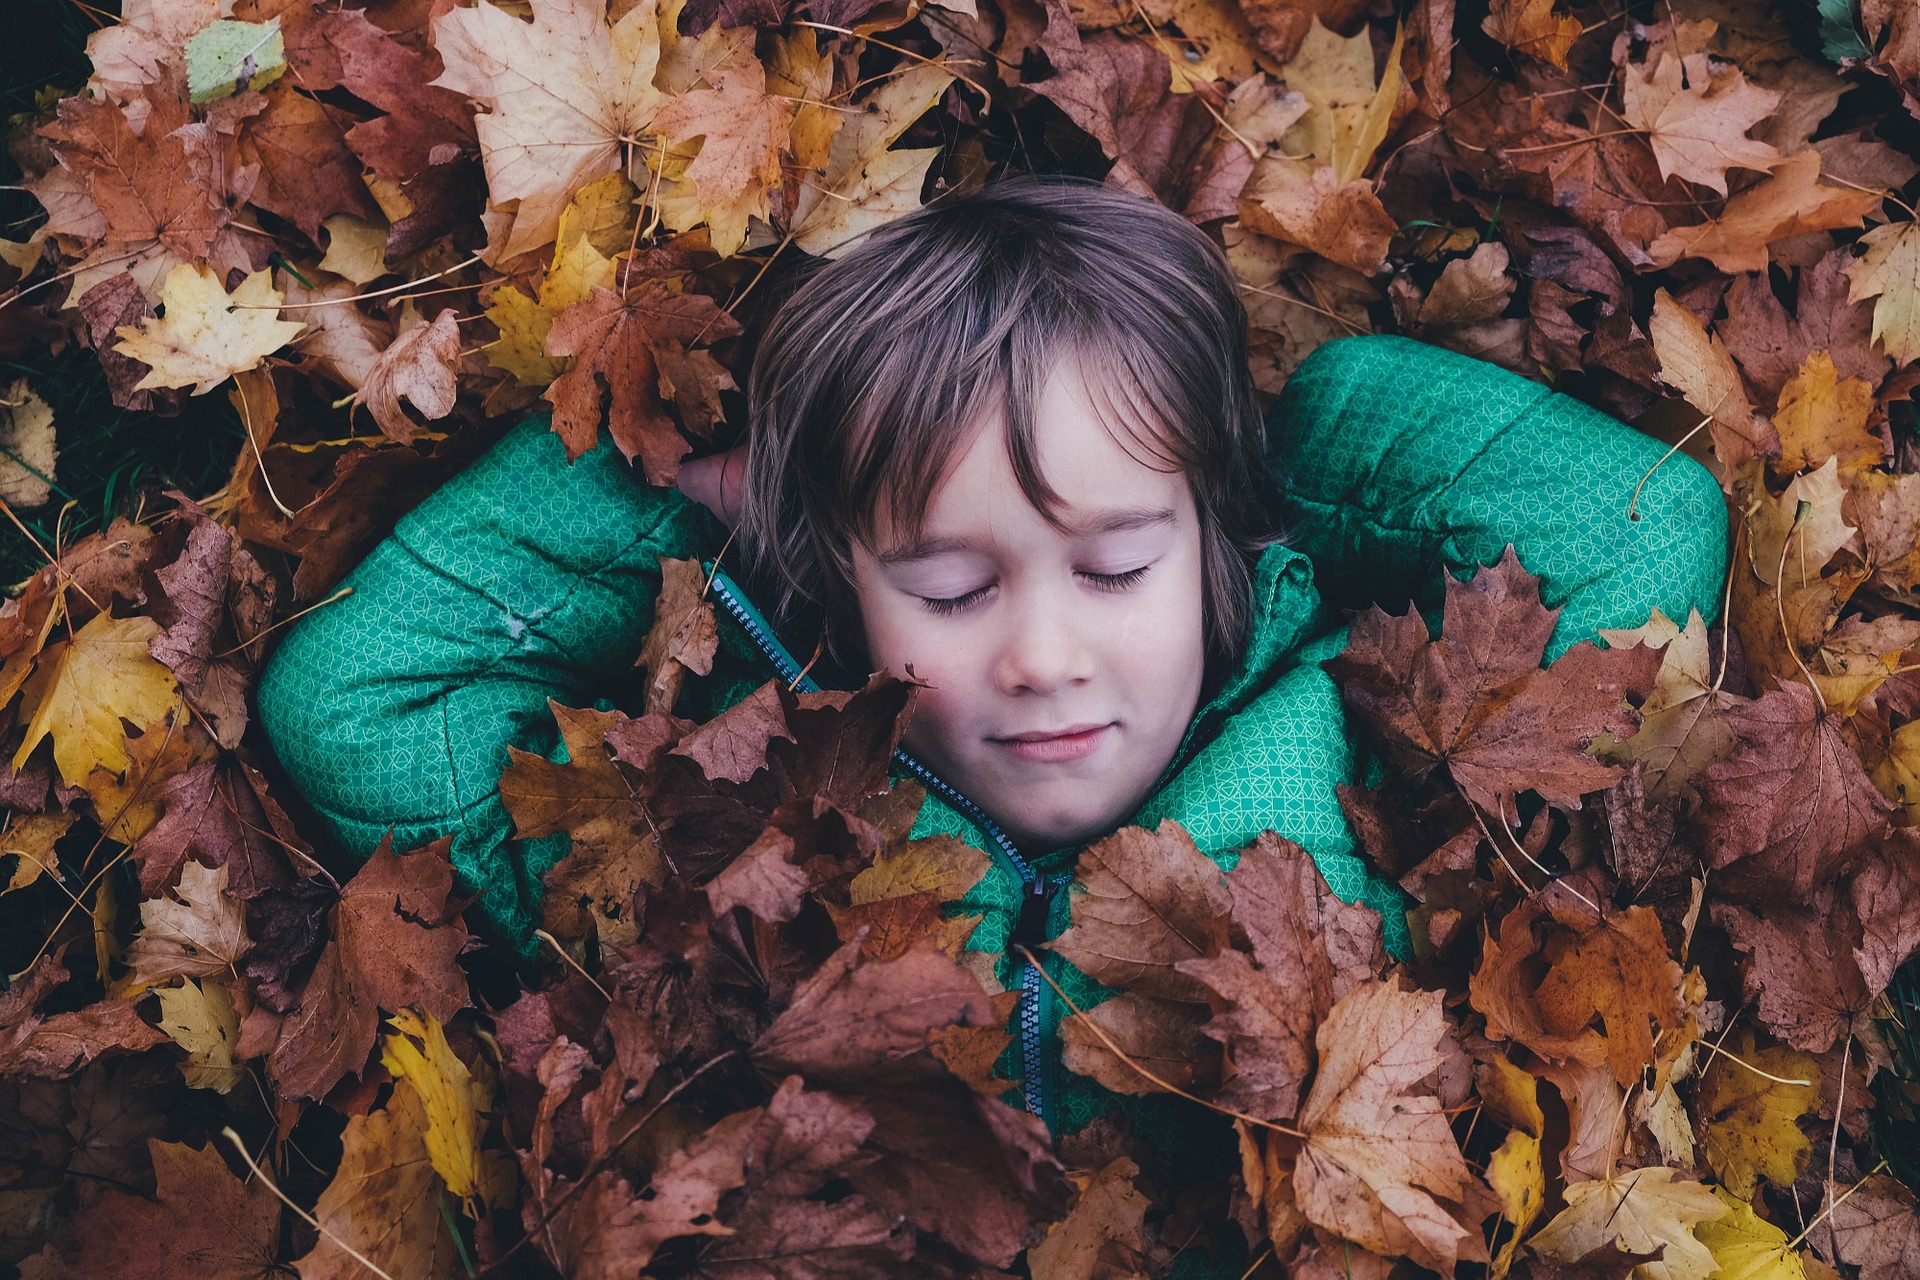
[{"x": 1075, "y": 742}]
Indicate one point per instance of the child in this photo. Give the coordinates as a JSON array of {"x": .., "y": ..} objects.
[{"x": 1009, "y": 443}]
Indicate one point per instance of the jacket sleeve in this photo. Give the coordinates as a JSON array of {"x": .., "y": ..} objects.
[
  {"x": 521, "y": 579},
  {"x": 1399, "y": 460}
]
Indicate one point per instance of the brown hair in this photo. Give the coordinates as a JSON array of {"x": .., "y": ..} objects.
[{"x": 866, "y": 377}]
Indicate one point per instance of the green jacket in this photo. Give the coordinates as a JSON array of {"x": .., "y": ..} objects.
[{"x": 524, "y": 579}]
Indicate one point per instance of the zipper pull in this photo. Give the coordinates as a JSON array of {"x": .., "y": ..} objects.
[{"x": 1031, "y": 928}]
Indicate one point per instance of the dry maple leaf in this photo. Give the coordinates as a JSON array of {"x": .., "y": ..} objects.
[
  {"x": 1789, "y": 803},
  {"x": 641, "y": 349},
  {"x": 394, "y": 944},
  {"x": 202, "y": 1221},
  {"x": 383, "y": 1204},
  {"x": 81, "y": 689},
  {"x": 1148, "y": 900},
  {"x": 59, "y": 1045},
  {"x": 744, "y": 132},
  {"x": 1696, "y": 364},
  {"x": 1751, "y": 1120},
  {"x": 866, "y": 1022},
  {"x": 1640, "y": 1211},
  {"x": 684, "y": 637},
  {"x": 1889, "y": 273},
  {"x": 1102, "y": 1235},
  {"x": 1822, "y": 416},
  {"x": 1533, "y": 28},
  {"x": 199, "y": 933},
  {"x": 418, "y": 366},
  {"x": 1311, "y": 948},
  {"x": 563, "y": 94},
  {"x": 1800, "y": 970},
  {"x": 1697, "y": 115},
  {"x": 200, "y": 1018},
  {"x": 1789, "y": 201},
  {"x": 206, "y": 337},
  {"x": 1380, "y": 1165},
  {"x": 867, "y": 183},
  {"x": 1877, "y": 1229},
  {"x": 1477, "y": 700}
]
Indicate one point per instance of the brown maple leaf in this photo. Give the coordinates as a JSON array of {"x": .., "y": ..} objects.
[
  {"x": 1149, "y": 899},
  {"x": 1800, "y": 967},
  {"x": 1477, "y": 701},
  {"x": 641, "y": 350},
  {"x": 1380, "y": 1165},
  {"x": 62, "y": 1043},
  {"x": 1311, "y": 948},
  {"x": 394, "y": 944},
  {"x": 202, "y": 1221},
  {"x": 865, "y": 1023},
  {"x": 1789, "y": 803}
]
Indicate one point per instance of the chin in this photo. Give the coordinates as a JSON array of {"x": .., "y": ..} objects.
[{"x": 1062, "y": 830}]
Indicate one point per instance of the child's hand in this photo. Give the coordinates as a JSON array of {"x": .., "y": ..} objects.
[{"x": 714, "y": 482}]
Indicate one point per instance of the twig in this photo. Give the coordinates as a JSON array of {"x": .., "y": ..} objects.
[
  {"x": 1142, "y": 1071},
  {"x": 228, "y": 1133},
  {"x": 561, "y": 951}
]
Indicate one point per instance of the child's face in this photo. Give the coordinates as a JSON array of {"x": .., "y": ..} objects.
[{"x": 1063, "y": 667}]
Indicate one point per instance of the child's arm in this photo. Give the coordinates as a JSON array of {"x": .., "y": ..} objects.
[
  {"x": 1401, "y": 459},
  {"x": 521, "y": 579}
]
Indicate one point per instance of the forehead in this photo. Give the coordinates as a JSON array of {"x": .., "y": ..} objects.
[{"x": 1087, "y": 449}]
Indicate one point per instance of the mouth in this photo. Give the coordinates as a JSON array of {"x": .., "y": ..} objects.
[{"x": 1075, "y": 742}]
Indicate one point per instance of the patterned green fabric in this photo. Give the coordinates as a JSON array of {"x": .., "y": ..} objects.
[{"x": 524, "y": 579}]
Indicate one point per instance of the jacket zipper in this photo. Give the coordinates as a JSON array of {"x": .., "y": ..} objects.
[{"x": 1036, "y": 890}]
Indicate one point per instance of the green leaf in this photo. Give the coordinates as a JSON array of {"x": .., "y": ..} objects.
[
  {"x": 225, "y": 57},
  {"x": 1840, "y": 37}
]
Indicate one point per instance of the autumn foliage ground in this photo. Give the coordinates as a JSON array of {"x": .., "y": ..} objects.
[{"x": 1662, "y": 893}]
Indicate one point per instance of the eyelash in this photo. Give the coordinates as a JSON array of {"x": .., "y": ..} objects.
[{"x": 1106, "y": 582}]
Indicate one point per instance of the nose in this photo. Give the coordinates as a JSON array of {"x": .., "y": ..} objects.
[{"x": 1044, "y": 648}]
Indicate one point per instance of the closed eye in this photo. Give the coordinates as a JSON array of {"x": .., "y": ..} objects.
[
  {"x": 945, "y": 605},
  {"x": 1118, "y": 581}
]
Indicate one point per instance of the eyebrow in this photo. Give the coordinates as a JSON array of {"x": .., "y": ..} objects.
[{"x": 1112, "y": 520}]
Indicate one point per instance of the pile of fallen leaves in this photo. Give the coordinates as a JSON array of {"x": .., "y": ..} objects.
[{"x": 1658, "y": 891}]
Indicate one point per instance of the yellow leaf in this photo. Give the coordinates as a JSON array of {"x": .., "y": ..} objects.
[
  {"x": 454, "y": 1100},
  {"x": 31, "y": 838},
  {"x": 201, "y": 1020},
  {"x": 1641, "y": 1211},
  {"x": 1889, "y": 272},
  {"x": 205, "y": 337},
  {"x": 81, "y": 689},
  {"x": 1517, "y": 1176},
  {"x": 1751, "y": 1121},
  {"x": 26, "y": 447},
  {"x": 801, "y": 70},
  {"x": 1898, "y": 775},
  {"x": 1748, "y": 1247},
  {"x": 356, "y": 250},
  {"x": 603, "y": 212},
  {"x": 1532, "y": 27},
  {"x": 384, "y": 1202},
  {"x": 941, "y": 865},
  {"x": 579, "y": 266},
  {"x": 866, "y": 185},
  {"x": 1348, "y": 110},
  {"x": 1823, "y": 416}
]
